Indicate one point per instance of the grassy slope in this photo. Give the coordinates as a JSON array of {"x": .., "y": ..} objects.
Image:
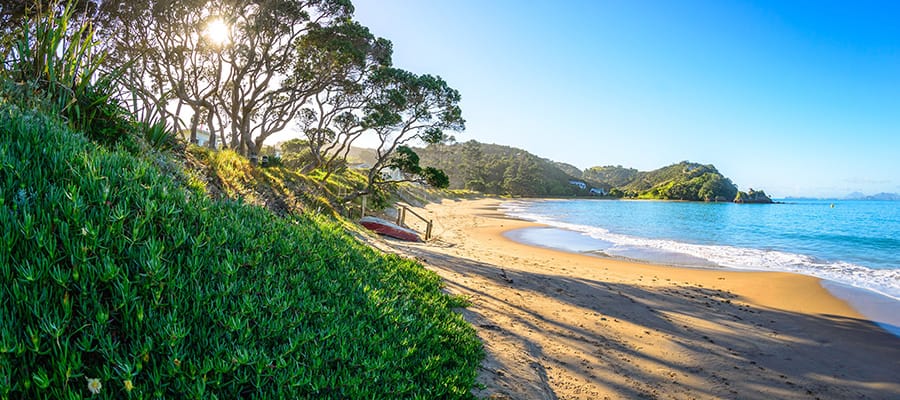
[{"x": 109, "y": 269}]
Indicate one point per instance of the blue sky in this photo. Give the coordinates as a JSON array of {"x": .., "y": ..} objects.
[{"x": 794, "y": 97}]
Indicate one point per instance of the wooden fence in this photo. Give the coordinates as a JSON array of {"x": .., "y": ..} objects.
[{"x": 401, "y": 220}]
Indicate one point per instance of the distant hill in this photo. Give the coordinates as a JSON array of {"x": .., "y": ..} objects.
[
  {"x": 878, "y": 197},
  {"x": 682, "y": 181},
  {"x": 612, "y": 176},
  {"x": 498, "y": 169},
  {"x": 852, "y": 196},
  {"x": 569, "y": 169}
]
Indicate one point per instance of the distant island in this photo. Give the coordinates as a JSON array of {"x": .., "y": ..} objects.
[
  {"x": 877, "y": 197},
  {"x": 505, "y": 170},
  {"x": 857, "y": 196}
]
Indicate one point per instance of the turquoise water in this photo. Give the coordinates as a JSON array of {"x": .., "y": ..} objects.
[{"x": 854, "y": 243}]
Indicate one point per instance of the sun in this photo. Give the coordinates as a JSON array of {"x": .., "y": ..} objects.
[{"x": 217, "y": 31}]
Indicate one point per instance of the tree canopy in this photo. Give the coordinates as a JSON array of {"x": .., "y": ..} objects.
[
  {"x": 268, "y": 66},
  {"x": 496, "y": 169}
]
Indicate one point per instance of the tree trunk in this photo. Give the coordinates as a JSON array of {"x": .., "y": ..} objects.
[
  {"x": 212, "y": 133},
  {"x": 195, "y": 120}
]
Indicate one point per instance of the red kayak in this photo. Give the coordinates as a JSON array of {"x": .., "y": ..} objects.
[{"x": 388, "y": 228}]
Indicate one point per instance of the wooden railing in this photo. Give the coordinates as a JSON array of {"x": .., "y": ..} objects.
[{"x": 401, "y": 220}]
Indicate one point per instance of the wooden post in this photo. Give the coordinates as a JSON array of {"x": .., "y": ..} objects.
[
  {"x": 362, "y": 213},
  {"x": 428, "y": 230},
  {"x": 401, "y": 217}
]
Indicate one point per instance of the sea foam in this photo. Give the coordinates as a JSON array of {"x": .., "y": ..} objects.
[{"x": 883, "y": 281}]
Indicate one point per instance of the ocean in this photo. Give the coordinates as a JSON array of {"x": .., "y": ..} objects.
[{"x": 853, "y": 245}]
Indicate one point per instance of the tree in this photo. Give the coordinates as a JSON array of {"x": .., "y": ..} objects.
[
  {"x": 334, "y": 119},
  {"x": 157, "y": 46},
  {"x": 406, "y": 161},
  {"x": 473, "y": 166},
  {"x": 262, "y": 96},
  {"x": 409, "y": 107},
  {"x": 295, "y": 154},
  {"x": 522, "y": 177},
  {"x": 436, "y": 177},
  {"x": 717, "y": 188},
  {"x": 247, "y": 85}
]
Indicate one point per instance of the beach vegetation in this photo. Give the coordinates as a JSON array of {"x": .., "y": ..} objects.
[
  {"x": 132, "y": 266},
  {"x": 117, "y": 276}
]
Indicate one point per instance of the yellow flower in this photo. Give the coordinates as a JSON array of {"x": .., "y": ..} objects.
[
  {"x": 128, "y": 385},
  {"x": 94, "y": 385}
]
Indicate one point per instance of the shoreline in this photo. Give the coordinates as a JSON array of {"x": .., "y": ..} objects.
[
  {"x": 562, "y": 325},
  {"x": 872, "y": 305}
]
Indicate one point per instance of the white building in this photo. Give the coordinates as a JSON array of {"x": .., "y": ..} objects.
[
  {"x": 202, "y": 136},
  {"x": 581, "y": 185}
]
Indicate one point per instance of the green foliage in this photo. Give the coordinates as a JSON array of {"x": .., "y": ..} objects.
[
  {"x": 753, "y": 196},
  {"x": 110, "y": 270},
  {"x": 570, "y": 170},
  {"x": 158, "y": 137},
  {"x": 436, "y": 178},
  {"x": 405, "y": 160},
  {"x": 55, "y": 64},
  {"x": 682, "y": 181},
  {"x": 495, "y": 169},
  {"x": 611, "y": 176},
  {"x": 295, "y": 154}
]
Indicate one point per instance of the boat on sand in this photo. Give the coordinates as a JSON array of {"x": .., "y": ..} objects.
[{"x": 391, "y": 229}]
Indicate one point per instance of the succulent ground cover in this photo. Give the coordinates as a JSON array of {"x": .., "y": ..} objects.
[{"x": 118, "y": 281}]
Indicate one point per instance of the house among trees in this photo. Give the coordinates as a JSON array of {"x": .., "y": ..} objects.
[
  {"x": 392, "y": 175},
  {"x": 202, "y": 136},
  {"x": 581, "y": 185}
]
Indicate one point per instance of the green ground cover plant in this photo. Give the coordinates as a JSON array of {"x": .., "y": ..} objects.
[{"x": 117, "y": 281}]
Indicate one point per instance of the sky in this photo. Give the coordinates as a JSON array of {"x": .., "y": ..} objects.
[{"x": 799, "y": 98}]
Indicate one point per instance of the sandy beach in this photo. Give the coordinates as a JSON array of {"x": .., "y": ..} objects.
[{"x": 558, "y": 325}]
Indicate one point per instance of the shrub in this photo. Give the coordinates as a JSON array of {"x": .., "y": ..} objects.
[
  {"x": 158, "y": 137},
  {"x": 114, "y": 277},
  {"x": 56, "y": 65}
]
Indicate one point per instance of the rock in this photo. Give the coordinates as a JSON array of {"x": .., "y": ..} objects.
[{"x": 753, "y": 197}]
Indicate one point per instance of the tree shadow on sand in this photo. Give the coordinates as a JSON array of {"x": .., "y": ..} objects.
[{"x": 692, "y": 341}]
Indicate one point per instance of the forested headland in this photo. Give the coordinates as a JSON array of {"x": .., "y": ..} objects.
[{"x": 504, "y": 170}]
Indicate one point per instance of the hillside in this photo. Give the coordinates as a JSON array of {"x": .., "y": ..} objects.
[
  {"x": 506, "y": 170},
  {"x": 681, "y": 181},
  {"x": 118, "y": 274},
  {"x": 612, "y": 176},
  {"x": 496, "y": 169}
]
